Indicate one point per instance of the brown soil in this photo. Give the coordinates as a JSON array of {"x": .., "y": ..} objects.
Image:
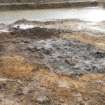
[
  {"x": 93, "y": 40},
  {"x": 48, "y": 66},
  {"x": 49, "y": 88},
  {"x": 15, "y": 66}
]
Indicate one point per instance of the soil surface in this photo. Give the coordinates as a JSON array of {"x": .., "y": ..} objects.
[
  {"x": 32, "y": 4},
  {"x": 52, "y": 63}
]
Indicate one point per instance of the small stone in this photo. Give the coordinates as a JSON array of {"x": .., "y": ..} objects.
[{"x": 42, "y": 99}]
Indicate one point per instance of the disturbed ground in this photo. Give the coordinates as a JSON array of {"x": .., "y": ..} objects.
[
  {"x": 33, "y": 4},
  {"x": 38, "y": 4},
  {"x": 52, "y": 63}
]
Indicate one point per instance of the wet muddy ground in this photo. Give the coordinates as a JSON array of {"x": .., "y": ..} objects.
[{"x": 44, "y": 65}]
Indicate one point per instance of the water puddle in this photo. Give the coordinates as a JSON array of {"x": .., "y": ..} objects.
[{"x": 94, "y": 14}]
